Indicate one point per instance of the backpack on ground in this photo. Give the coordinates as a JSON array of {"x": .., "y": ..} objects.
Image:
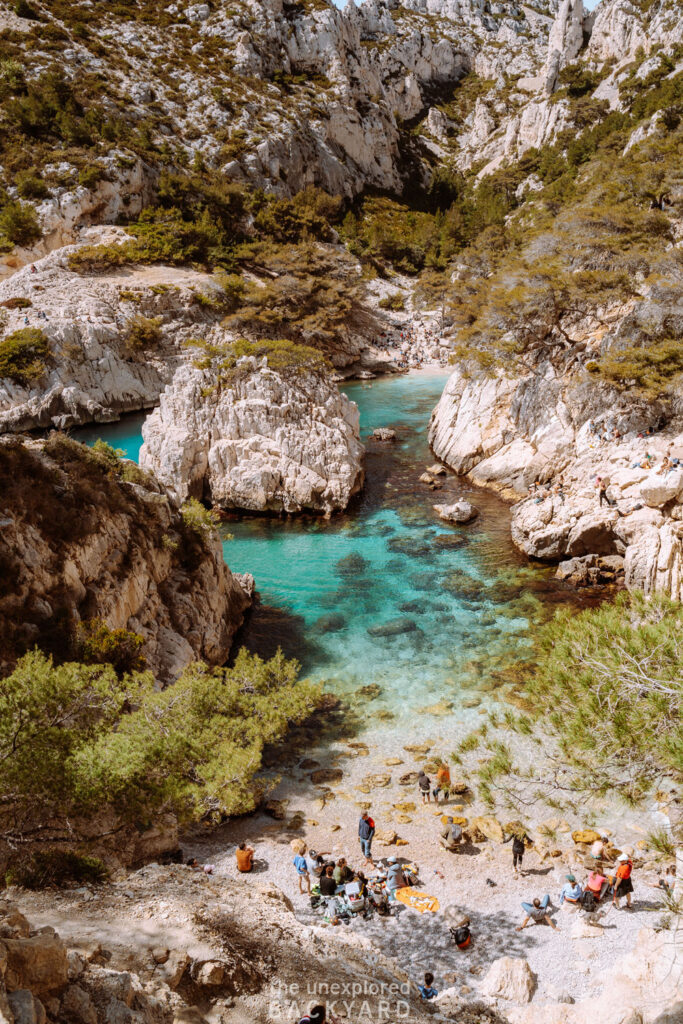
[{"x": 589, "y": 902}]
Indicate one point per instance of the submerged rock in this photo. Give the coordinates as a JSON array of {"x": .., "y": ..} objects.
[
  {"x": 331, "y": 623},
  {"x": 393, "y": 628},
  {"x": 267, "y": 441},
  {"x": 383, "y": 434},
  {"x": 352, "y": 565}
]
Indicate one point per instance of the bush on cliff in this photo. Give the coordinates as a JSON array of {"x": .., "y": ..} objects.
[
  {"x": 23, "y": 355},
  {"x": 19, "y": 224},
  {"x": 79, "y": 742}
]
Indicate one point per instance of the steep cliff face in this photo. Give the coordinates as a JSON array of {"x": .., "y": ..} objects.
[
  {"x": 79, "y": 541},
  {"x": 565, "y": 434},
  {"x": 265, "y": 441}
]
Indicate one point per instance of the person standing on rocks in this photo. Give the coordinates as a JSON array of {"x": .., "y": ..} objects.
[
  {"x": 425, "y": 786},
  {"x": 518, "y": 848},
  {"x": 366, "y": 830},
  {"x": 443, "y": 783},
  {"x": 301, "y": 866},
  {"x": 623, "y": 886}
]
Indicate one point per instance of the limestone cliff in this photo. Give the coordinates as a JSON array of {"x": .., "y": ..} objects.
[
  {"x": 81, "y": 541},
  {"x": 263, "y": 441}
]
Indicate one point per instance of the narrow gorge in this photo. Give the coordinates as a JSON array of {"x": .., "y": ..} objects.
[{"x": 341, "y": 446}]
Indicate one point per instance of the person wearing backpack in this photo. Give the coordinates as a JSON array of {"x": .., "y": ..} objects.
[
  {"x": 623, "y": 886},
  {"x": 518, "y": 848},
  {"x": 318, "y": 1015}
]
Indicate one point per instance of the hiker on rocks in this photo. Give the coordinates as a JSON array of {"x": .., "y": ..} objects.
[
  {"x": 623, "y": 886},
  {"x": 328, "y": 885},
  {"x": 518, "y": 848},
  {"x": 443, "y": 783},
  {"x": 301, "y": 866},
  {"x": 536, "y": 912},
  {"x": 425, "y": 786},
  {"x": 461, "y": 934},
  {"x": 245, "y": 857},
  {"x": 601, "y": 485},
  {"x": 571, "y": 891},
  {"x": 426, "y": 990},
  {"x": 366, "y": 830},
  {"x": 450, "y": 836}
]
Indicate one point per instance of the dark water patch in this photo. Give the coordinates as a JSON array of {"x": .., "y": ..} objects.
[
  {"x": 332, "y": 623},
  {"x": 352, "y": 565}
]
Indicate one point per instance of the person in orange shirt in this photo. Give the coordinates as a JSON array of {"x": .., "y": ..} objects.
[
  {"x": 623, "y": 886},
  {"x": 245, "y": 857},
  {"x": 443, "y": 782}
]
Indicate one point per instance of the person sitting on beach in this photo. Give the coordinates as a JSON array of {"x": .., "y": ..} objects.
[
  {"x": 596, "y": 884},
  {"x": 665, "y": 467},
  {"x": 424, "y": 785},
  {"x": 571, "y": 891},
  {"x": 450, "y": 836},
  {"x": 245, "y": 857},
  {"x": 395, "y": 877},
  {"x": 461, "y": 934},
  {"x": 599, "y": 846},
  {"x": 426, "y": 990},
  {"x": 667, "y": 881},
  {"x": 342, "y": 872},
  {"x": 536, "y": 912},
  {"x": 328, "y": 885}
]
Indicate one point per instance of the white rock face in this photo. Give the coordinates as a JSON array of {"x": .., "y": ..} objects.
[
  {"x": 268, "y": 442},
  {"x": 509, "y": 978},
  {"x": 506, "y": 434}
]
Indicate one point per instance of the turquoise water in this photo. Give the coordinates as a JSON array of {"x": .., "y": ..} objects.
[{"x": 456, "y": 600}]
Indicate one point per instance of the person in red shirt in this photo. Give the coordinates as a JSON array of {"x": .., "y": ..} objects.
[{"x": 623, "y": 886}]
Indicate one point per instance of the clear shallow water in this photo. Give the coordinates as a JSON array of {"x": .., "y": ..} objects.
[{"x": 456, "y": 600}]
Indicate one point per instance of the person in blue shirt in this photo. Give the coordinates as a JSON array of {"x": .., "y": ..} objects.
[
  {"x": 301, "y": 865},
  {"x": 571, "y": 891},
  {"x": 426, "y": 990}
]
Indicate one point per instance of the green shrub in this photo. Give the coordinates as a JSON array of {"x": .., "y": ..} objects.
[
  {"x": 198, "y": 518},
  {"x": 48, "y": 868},
  {"x": 31, "y": 186},
  {"x": 144, "y": 333},
  {"x": 16, "y": 302},
  {"x": 19, "y": 223},
  {"x": 97, "y": 644},
  {"x": 651, "y": 371},
  {"x": 23, "y": 355},
  {"x": 22, "y": 9},
  {"x": 395, "y": 301},
  {"x": 91, "y": 175}
]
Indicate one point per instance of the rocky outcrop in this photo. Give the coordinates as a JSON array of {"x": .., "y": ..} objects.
[
  {"x": 543, "y": 442},
  {"x": 79, "y": 542},
  {"x": 92, "y": 371},
  {"x": 264, "y": 441}
]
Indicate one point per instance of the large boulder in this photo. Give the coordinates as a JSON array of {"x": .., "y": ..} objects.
[
  {"x": 459, "y": 512},
  {"x": 594, "y": 534},
  {"x": 490, "y": 827},
  {"x": 38, "y": 963},
  {"x": 509, "y": 978},
  {"x": 266, "y": 442},
  {"x": 658, "y": 490}
]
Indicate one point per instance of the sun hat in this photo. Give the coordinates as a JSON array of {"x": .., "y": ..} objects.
[
  {"x": 622, "y": 856},
  {"x": 570, "y": 878},
  {"x": 392, "y": 860}
]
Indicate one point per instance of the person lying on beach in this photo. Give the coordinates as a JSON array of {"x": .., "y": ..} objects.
[{"x": 536, "y": 912}]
